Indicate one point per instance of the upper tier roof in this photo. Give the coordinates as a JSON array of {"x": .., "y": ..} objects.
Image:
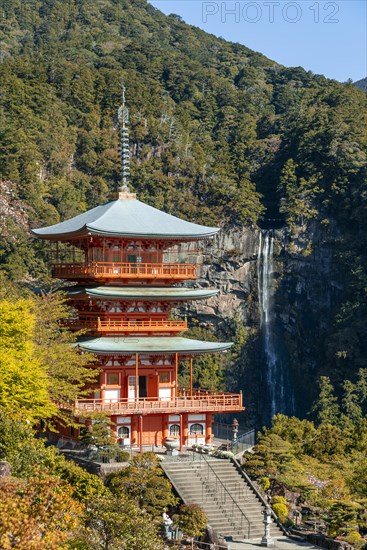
[
  {"x": 125, "y": 218},
  {"x": 141, "y": 293}
]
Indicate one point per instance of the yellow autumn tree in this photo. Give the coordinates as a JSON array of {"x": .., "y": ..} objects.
[
  {"x": 39, "y": 365},
  {"x": 37, "y": 513},
  {"x": 24, "y": 384}
]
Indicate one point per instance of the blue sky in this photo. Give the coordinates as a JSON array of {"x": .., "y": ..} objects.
[{"x": 325, "y": 37}]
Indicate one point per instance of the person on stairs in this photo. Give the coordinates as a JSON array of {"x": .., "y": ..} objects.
[{"x": 167, "y": 524}]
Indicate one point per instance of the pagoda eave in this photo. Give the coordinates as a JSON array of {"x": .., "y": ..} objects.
[
  {"x": 126, "y": 219},
  {"x": 175, "y": 294},
  {"x": 120, "y": 345}
]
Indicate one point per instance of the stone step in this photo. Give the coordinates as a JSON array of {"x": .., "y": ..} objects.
[
  {"x": 215, "y": 503},
  {"x": 187, "y": 472},
  {"x": 214, "y": 500}
]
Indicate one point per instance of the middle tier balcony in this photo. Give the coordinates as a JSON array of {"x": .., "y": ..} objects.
[
  {"x": 136, "y": 326},
  {"x": 104, "y": 271},
  {"x": 199, "y": 401}
]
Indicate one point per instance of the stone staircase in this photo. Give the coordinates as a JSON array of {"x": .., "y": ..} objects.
[{"x": 232, "y": 506}]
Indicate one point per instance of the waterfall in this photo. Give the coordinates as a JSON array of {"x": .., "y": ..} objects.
[{"x": 278, "y": 389}]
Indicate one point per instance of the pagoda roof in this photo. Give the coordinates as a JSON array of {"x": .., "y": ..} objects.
[
  {"x": 160, "y": 344},
  {"x": 141, "y": 293},
  {"x": 125, "y": 218}
]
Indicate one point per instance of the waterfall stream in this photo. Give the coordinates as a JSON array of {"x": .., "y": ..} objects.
[{"x": 278, "y": 390}]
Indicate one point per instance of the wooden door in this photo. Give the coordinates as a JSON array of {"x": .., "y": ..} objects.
[{"x": 153, "y": 430}]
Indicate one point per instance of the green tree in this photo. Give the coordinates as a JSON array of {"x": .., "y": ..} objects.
[
  {"x": 273, "y": 456},
  {"x": 358, "y": 480},
  {"x": 300, "y": 433},
  {"x": 22, "y": 449},
  {"x": 351, "y": 405},
  {"x": 328, "y": 442},
  {"x": 19, "y": 446},
  {"x": 192, "y": 521},
  {"x": 69, "y": 370},
  {"x": 113, "y": 522},
  {"x": 342, "y": 518},
  {"x": 326, "y": 408},
  {"x": 143, "y": 481},
  {"x": 85, "y": 486},
  {"x": 99, "y": 432}
]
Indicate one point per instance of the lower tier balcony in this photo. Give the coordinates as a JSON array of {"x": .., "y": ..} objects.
[
  {"x": 132, "y": 271},
  {"x": 108, "y": 326},
  {"x": 198, "y": 402}
]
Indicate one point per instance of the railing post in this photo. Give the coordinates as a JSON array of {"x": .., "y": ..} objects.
[{"x": 191, "y": 377}]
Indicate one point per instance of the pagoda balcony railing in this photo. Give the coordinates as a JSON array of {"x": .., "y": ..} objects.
[
  {"x": 106, "y": 326},
  {"x": 197, "y": 402},
  {"x": 118, "y": 270}
]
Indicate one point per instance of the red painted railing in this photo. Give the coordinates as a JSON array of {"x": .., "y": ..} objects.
[
  {"x": 106, "y": 326},
  {"x": 199, "y": 402},
  {"x": 142, "y": 326},
  {"x": 118, "y": 270}
]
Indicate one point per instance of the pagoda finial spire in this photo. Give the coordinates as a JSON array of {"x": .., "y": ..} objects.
[{"x": 123, "y": 124}]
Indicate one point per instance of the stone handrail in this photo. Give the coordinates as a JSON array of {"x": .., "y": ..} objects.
[
  {"x": 258, "y": 494},
  {"x": 234, "y": 503}
]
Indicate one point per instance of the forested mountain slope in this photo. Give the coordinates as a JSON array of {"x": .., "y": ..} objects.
[
  {"x": 362, "y": 84},
  {"x": 219, "y": 134}
]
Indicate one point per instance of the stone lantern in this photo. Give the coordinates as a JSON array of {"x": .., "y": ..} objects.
[
  {"x": 234, "y": 430},
  {"x": 267, "y": 540}
]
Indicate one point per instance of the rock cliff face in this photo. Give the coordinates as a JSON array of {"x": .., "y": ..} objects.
[
  {"x": 283, "y": 355},
  {"x": 309, "y": 293},
  {"x": 230, "y": 267}
]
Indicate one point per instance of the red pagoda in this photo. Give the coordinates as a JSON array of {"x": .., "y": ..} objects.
[{"x": 129, "y": 261}]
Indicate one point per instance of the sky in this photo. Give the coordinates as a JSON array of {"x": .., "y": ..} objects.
[{"x": 322, "y": 36}]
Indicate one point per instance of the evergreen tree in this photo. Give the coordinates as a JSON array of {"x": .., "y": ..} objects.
[{"x": 326, "y": 408}]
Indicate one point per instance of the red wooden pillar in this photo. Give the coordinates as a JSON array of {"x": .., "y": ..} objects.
[
  {"x": 165, "y": 427},
  {"x": 102, "y": 384},
  {"x": 176, "y": 375},
  {"x": 136, "y": 377},
  {"x": 141, "y": 433},
  {"x": 190, "y": 376},
  {"x": 185, "y": 438},
  {"x": 208, "y": 428},
  {"x": 181, "y": 431},
  {"x": 134, "y": 430}
]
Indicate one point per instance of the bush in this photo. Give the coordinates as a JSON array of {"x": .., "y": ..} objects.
[
  {"x": 123, "y": 456},
  {"x": 222, "y": 454},
  {"x": 265, "y": 483},
  {"x": 192, "y": 520},
  {"x": 279, "y": 500},
  {"x": 279, "y": 505},
  {"x": 355, "y": 539}
]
